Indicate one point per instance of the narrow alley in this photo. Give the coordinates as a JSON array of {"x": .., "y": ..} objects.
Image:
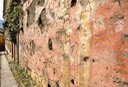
[{"x": 7, "y": 78}]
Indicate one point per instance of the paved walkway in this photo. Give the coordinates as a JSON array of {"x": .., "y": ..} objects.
[{"x": 7, "y": 78}]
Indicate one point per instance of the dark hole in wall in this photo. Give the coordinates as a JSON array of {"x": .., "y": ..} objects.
[
  {"x": 22, "y": 30},
  {"x": 57, "y": 84},
  {"x": 22, "y": 23},
  {"x": 33, "y": 46},
  {"x": 121, "y": 17},
  {"x": 93, "y": 60},
  {"x": 83, "y": 59},
  {"x": 126, "y": 36},
  {"x": 72, "y": 81},
  {"x": 49, "y": 85},
  {"x": 54, "y": 71},
  {"x": 50, "y": 44},
  {"x": 86, "y": 58},
  {"x": 73, "y": 2},
  {"x": 42, "y": 20},
  {"x": 27, "y": 12},
  {"x": 120, "y": 82},
  {"x": 27, "y": 24}
]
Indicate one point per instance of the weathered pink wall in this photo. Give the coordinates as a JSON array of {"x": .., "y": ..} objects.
[
  {"x": 88, "y": 44},
  {"x": 52, "y": 65},
  {"x": 109, "y": 46}
]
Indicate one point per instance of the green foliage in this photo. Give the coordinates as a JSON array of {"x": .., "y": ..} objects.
[
  {"x": 22, "y": 75},
  {"x": 12, "y": 20}
]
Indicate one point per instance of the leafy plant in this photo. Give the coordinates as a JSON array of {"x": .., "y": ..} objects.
[
  {"x": 12, "y": 20},
  {"x": 22, "y": 75}
]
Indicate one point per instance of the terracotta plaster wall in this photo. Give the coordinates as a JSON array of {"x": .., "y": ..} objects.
[
  {"x": 109, "y": 45},
  {"x": 75, "y": 43}
]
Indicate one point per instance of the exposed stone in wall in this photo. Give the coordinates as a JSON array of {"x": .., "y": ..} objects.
[
  {"x": 75, "y": 43},
  {"x": 31, "y": 13},
  {"x": 42, "y": 21}
]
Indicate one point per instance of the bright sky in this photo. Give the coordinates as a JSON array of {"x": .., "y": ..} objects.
[{"x": 1, "y": 9}]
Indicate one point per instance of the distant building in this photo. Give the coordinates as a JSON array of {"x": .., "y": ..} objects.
[
  {"x": 2, "y": 40},
  {"x": 1, "y": 31}
]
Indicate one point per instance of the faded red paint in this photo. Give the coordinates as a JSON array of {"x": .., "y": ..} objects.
[
  {"x": 109, "y": 47},
  {"x": 63, "y": 64}
]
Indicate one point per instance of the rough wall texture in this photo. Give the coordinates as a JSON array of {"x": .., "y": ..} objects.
[
  {"x": 75, "y": 43},
  {"x": 109, "y": 45}
]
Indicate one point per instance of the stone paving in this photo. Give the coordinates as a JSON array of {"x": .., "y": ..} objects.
[{"x": 7, "y": 78}]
